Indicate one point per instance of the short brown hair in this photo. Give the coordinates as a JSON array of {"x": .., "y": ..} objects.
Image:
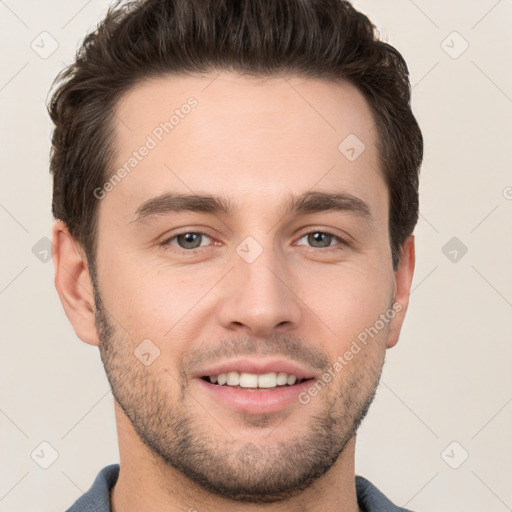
[{"x": 326, "y": 39}]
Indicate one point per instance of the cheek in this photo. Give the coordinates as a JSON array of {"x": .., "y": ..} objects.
[
  {"x": 150, "y": 300},
  {"x": 348, "y": 300}
]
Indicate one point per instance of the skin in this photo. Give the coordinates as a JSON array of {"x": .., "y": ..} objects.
[{"x": 255, "y": 142}]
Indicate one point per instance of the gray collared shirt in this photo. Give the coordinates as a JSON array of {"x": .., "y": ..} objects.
[{"x": 97, "y": 498}]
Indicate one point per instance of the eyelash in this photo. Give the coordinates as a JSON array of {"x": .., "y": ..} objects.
[{"x": 342, "y": 243}]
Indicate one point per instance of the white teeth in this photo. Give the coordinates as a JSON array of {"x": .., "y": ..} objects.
[
  {"x": 252, "y": 380},
  {"x": 233, "y": 379},
  {"x": 267, "y": 380},
  {"x": 248, "y": 380},
  {"x": 281, "y": 379}
]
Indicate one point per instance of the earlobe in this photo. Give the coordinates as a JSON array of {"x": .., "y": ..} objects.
[
  {"x": 73, "y": 284},
  {"x": 403, "y": 280}
]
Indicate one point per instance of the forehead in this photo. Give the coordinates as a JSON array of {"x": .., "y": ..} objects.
[{"x": 221, "y": 133}]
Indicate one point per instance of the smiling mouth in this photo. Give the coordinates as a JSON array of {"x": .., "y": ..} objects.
[{"x": 253, "y": 381}]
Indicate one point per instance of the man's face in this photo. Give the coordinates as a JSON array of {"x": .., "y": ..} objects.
[{"x": 258, "y": 285}]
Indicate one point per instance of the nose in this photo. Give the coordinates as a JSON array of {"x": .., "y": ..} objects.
[{"x": 260, "y": 296}]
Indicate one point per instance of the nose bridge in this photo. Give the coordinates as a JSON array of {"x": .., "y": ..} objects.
[
  {"x": 260, "y": 266},
  {"x": 259, "y": 292}
]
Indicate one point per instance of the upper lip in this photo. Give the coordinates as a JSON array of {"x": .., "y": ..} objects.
[{"x": 258, "y": 366}]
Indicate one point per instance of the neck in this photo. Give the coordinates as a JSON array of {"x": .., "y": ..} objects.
[{"x": 145, "y": 482}]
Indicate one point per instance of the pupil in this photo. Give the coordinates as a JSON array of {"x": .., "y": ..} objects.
[
  {"x": 190, "y": 240},
  {"x": 317, "y": 237}
]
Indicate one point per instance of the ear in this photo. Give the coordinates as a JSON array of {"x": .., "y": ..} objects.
[
  {"x": 73, "y": 283},
  {"x": 403, "y": 280}
]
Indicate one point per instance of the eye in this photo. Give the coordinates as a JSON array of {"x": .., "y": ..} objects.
[
  {"x": 187, "y": 240},
  {"x": 322, "y": 239},
  {"x": 191, "y": 240}
]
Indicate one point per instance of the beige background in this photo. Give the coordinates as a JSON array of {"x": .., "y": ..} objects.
[{"x": 448, "y": 380}]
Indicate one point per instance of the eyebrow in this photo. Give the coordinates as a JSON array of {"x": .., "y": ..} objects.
[{"x": 307, "y": 203}]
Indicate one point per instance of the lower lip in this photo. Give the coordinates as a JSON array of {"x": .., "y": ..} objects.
[{"x": 255, "y": 402}]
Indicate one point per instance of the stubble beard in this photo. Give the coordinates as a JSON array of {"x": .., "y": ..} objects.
[{"x": 229, "y": 467}]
